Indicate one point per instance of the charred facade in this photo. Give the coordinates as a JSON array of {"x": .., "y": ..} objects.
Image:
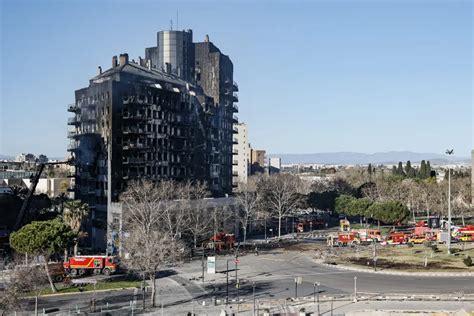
[{"x": 153, "y": 119}]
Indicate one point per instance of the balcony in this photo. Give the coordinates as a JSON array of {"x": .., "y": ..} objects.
[
  {"x": 235, "y": 119},
  {"x": 235, "y": 141},
  {"x": 235, "y": 86},
  {"x": 235, "y": 130},
  {"x": 131, "y": 146},
  {"x": 131, "y": 175},
  {"x": 72, "y": 108},
  {"x": 135, "y": 130},
  {"x": 73, "y": 121},
  {"x": 214, "y": 174},
  {"x": 72, "y": 146},
  {"x": 235, "y": 174},
  {"x": 235, "y": 162},
  {"x": 71, "y": 134},
  {"x": 134, "y": 116},
  {"x": 133, "y": 160},
  {"x": 235, "y": 152},
  {"x": 235, "y": 108},
  {"x": 235, "y": 97}
]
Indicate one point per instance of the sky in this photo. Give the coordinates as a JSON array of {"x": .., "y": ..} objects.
[{"x": 314, "y": 76}]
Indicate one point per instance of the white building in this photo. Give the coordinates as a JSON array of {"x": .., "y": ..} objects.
[
  {"x": 25, "y": 158},
  {"x": 274, "y": 164},
  {"x": 241, "y": 162}
]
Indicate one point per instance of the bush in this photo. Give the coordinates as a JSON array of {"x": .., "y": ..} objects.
[
  {"x": 410, "y": 245},
  {"x": 434, "y": 247},
  {"x": 467, "y": 261},
  {"x": 427, "y": 243}
]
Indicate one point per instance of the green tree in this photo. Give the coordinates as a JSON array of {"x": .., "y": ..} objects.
[
  {"x": 428, "y": 169},
  {"x": 342, "y": 204},
  {"x": 390, "y": 212},
  {"x": 370, "y": 171},
  {"x": 408, "y": 167},
  {"x": 424, "y": 173},
  {"x": 410, "y": 171},
  {"x": 358, "y": 207},
  {"x": 394, "y": 170},
  {"x": 73, "y": 216},
  {"x": 42, "y": 239},
  {"x": 400, "y": 169}
]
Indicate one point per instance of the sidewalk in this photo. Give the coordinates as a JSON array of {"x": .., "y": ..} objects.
[{"x": 394, "y": 272}]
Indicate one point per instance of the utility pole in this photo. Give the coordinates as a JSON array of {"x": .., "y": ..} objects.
[
  {"x": 143, "y": 291},
  {"x": 316, "y": 285},
  {"x": 227, "y": 284},
  {"x": 375, "y": 255},
  {"x": 448, "y": 242},
  {"x": 202, "y": 262},
  {"x": 355, "y": 289},
  {"x": 253, "y": 285}
]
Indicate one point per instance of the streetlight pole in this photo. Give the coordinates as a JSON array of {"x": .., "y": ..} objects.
[
  {"x": 253, "y": 285},
  {"x": 355, "y": 289},
  {"x": 202, "y": 262},
  {"x": 316, "y": 285},
  {"x": 227, "y": 284},
  {"x": 448, "y": 242}
]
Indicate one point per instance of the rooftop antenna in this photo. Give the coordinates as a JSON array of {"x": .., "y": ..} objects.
[{"x": 171, "y": 25}]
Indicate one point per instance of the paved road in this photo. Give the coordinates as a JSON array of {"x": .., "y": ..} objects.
[{"x": 273, "y": 273}]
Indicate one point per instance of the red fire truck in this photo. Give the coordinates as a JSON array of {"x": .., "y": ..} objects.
[{"x": 80, "y": 265}]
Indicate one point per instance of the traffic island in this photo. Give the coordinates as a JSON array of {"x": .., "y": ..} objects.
[{"x": 403, "y": 258}]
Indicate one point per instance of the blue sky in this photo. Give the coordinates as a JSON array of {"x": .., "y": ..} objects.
[{"x": 314, "y": 76}]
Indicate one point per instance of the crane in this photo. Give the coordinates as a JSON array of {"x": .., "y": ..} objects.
[{"x": 31, "y": 191}]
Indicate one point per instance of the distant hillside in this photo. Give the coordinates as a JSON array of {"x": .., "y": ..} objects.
[
  {"x": 348, "y": 158},
  {"x": 6, "y": 157}
]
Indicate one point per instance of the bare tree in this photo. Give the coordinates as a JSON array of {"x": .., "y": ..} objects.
[
  {"x": 461, "y": 196},
  {"x": 149, "y": 240},
  {"x": 174, "y": 211},
  {"x": 199, "y": 221},
  {"x": 248, "y": 198},
  {"x": 22, "y": 279},
  {"x": 281, "y": 194}
]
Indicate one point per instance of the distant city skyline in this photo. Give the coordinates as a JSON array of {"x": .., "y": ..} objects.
[{"x": 314, "y": 77}]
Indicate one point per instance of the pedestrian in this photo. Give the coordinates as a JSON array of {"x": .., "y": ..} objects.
[{"x": 256, "y": 250}]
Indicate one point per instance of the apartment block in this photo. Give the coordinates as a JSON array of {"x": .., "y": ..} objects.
[
  {"x": 257, "y": 161},
  {"x": 274, "y": 165},
  {"x": 241, "y": 162},
  {"x": 168, "y": 116}
]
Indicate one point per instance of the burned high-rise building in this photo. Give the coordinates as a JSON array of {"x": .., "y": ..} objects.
[
  {"x": 141, "y": 120},
  {"x": 204, "y": 65}
]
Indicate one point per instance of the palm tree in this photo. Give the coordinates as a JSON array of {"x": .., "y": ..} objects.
[{"x": 74, "y": 214}]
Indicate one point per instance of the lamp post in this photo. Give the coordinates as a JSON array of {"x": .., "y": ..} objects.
[
  {"x": 202, "y": 262},
  {"x": 253, "y": 285},
  {"x": 355, "y": 289},
  {"x": 316, "y": 293},
  {"x": 227, "y": 283},
  {"x": 448, "y": 242}
]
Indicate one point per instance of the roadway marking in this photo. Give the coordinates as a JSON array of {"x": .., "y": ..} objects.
[{"x": 273, "y": 259}]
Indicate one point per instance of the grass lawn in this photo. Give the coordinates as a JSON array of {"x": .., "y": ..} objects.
[
  {"x": 108, "y": 285},
  {"x": 402, "y": 257}
]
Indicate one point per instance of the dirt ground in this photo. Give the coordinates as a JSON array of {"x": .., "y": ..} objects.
[{"x": 394, "y": 257}]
